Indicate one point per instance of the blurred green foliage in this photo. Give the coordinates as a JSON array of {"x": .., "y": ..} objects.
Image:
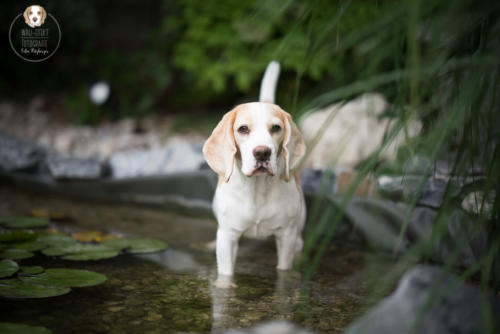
[{"x": 201, "y": 54}]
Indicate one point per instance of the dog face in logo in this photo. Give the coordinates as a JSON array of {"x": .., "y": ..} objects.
[{"x": 34, "y": 16}]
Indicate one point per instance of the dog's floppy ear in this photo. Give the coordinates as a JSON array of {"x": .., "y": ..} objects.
[
  {"x": 44, "y": 15},
  {"x": 294, "y": 147},
  {"x": 25, "y": 14},
  {"x": 220, "y": 148}
]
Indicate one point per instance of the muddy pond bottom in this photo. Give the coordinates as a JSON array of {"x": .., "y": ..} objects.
[{"x": 172, "y": 291}]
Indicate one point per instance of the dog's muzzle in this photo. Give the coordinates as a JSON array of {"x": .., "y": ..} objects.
[{"x": 262, "y": 163}]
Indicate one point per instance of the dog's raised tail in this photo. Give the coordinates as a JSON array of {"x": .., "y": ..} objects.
[{"x": 269, "y": 81}]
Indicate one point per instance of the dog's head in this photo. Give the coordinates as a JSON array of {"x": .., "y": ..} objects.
[
  {"x": 261, "y": 136},
  {"x": 34, "y": 15}
]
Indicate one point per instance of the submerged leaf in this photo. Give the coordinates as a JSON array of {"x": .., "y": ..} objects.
[
  {"x": 15, "y": 254},
  {"x": 92, "y": 236},
  {"x": 17, "y": 236},
  {"x": 47, "y": 214},
  {"x": 135, "y": 246},
  {"x": 8, "y": 268},
  {"x": 23, "y": 222},
  {"x": 30, "y": 270},
  {"x": 66, "y": 278},
  {"x": 11, "y": 328},
  {"x": 15, "y": 288}
]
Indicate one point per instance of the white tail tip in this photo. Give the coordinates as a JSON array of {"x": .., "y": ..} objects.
[{"x": 269, "y": 81}]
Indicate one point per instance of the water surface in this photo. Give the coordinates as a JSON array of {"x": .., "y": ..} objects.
[{"x": 173, "y": 291}]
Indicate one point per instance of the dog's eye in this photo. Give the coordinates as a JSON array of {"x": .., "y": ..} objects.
[
  {"x": 275, "y": 128},
  {"x": 38, "y": 12},
  {"x": 31, "y": 12},
  {"x": 243, "y": 130}
]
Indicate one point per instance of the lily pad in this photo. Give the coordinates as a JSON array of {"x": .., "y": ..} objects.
[
  {"x": 136, "y": 246},
  {"x": 15, "y": 254},
  {"x": 11, "y": 328},
  {"x": 30, "y": 270},
  {"x": 66, "y": 278},
  {"x": 15, "y": 288},
  {"x": 23, "y": 222},
  {"x": 31, "y": 246},
  {"x": 73, "y": 248},
  {"x": 17, "y": 236},
  {"x": 92, "y": 255},
  {"x": 8, "y": 268}
]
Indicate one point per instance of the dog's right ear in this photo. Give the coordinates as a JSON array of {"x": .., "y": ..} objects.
[
  {"x": 26, "y": 15},
  {"x": 220, "y": 148}
]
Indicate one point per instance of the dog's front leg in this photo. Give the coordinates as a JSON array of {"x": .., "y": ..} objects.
[
  {"x": 287, "y": 244},
  {"x": 226, "y": 250}
]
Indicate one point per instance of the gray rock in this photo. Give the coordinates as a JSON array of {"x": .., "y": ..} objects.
[
  {"x": 18, "y": 155},
  {"x": 429, "y": 300},
  {"x": 177, "y": 156},
  {"x": 74, "y": 168},
  {"x": 434, "y": 190},
  {"x": 315, "y": 180}
]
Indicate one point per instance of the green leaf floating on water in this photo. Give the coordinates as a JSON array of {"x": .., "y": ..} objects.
[
  {"x": 11, "y": 328},
  {"x": 30, "y": 270},
  {"x": 92, "y": 255},
  {"x": 17, "y": 236},
  {"x": 15, "y": 254},
  {"x": 71, "y": 248},
  {"x": 136, "y": 246},
  {"x": 55, "y": 239},
  {"x": 66, "y": 278},
  {"x": 8, "y": 268},
  {"x": 31, "y": 246},
  {"x": 23, "y": 222},
  {"x": 15, "y": 288}
]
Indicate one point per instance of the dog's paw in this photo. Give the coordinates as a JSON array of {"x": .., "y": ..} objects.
[{"x": 224, "y": 282}]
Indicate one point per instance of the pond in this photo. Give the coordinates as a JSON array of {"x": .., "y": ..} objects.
[{"x": 172, "y": 291}]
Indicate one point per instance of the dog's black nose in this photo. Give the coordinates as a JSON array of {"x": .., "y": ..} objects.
[
  {"x": 34, "y": 19},
  {"x": 262, "y": 153}
]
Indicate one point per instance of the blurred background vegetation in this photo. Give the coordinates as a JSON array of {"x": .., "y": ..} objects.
[{"x": 163, "y": 56}]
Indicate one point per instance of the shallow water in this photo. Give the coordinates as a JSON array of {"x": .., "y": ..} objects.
[{"x": 173, "y": 291}]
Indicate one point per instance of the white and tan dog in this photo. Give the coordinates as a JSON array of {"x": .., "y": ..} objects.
[
  {"x": 256, "y": 149},
  {"x": 34, "y": 15}
]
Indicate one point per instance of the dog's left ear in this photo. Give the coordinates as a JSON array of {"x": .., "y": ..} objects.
[
  {"x": 220, "y": 148},
  {"x": 44, "y": 15},
  {"x": 294, "y": 147}
]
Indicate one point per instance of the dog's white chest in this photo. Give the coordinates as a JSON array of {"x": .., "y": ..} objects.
[{"x": 259, "y": 209}]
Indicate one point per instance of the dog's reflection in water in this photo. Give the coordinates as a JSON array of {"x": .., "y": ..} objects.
[{"x": 225, "y": 295}]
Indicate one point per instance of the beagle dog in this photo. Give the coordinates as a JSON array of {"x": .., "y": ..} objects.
[
  {"x": 256, "y": 150},
  {"x": 34, "y": 16}
]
